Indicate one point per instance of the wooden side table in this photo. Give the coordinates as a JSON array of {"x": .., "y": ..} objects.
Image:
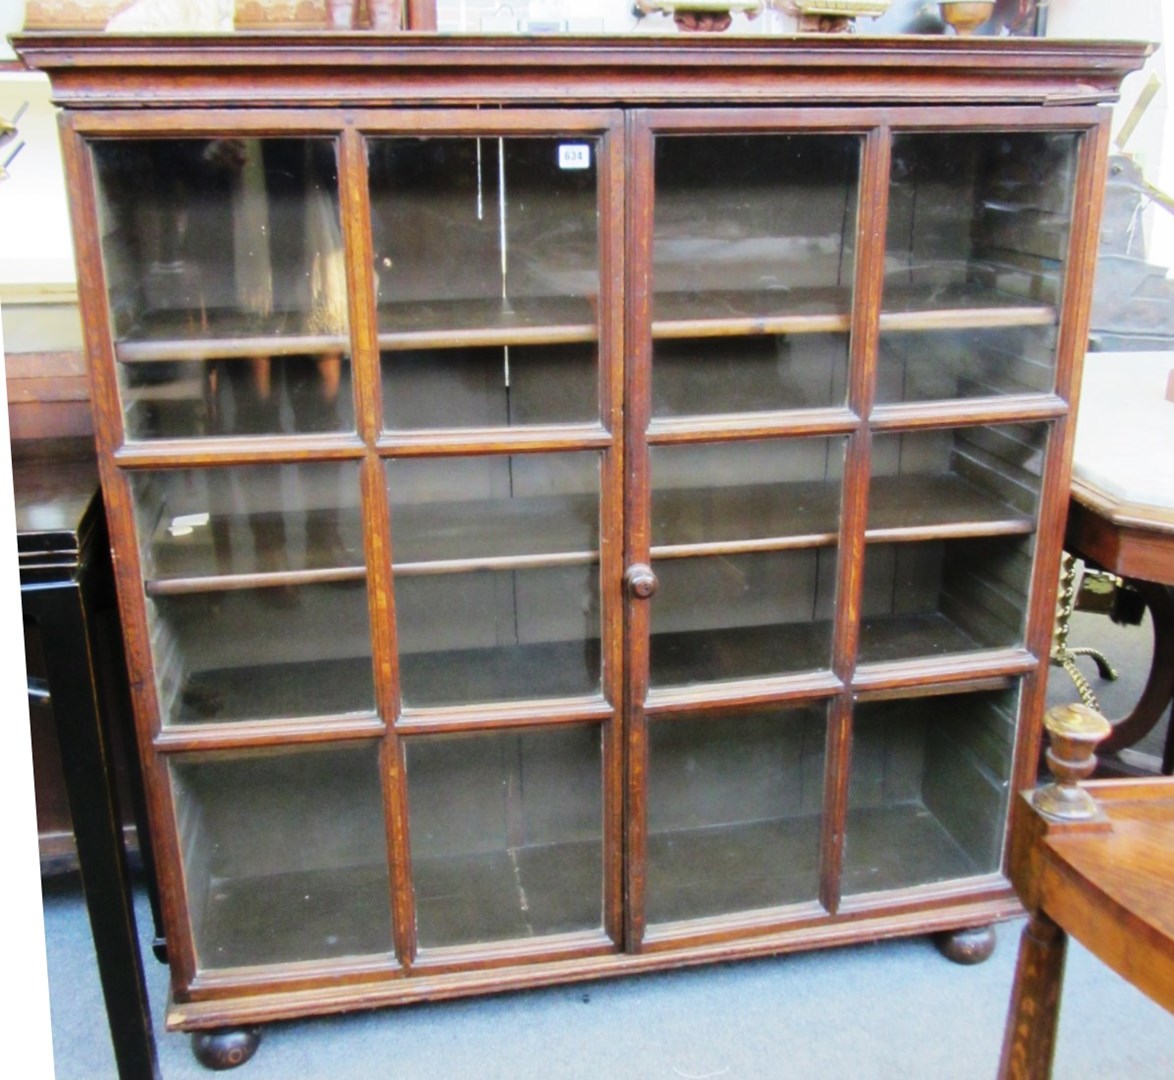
[
  {"x": 65, "y": 582},
  {"x": 1121, "y": 513},
  {"x": 1103, "y": 873}
]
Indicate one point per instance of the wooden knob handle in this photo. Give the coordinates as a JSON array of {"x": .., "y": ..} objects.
[{"x": 641, "y": 581}]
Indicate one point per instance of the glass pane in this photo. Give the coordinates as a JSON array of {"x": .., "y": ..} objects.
[
  {"x": 284, "y": 855},
  {"x": 937, "y": 365},
  {"x": 937, "y": 597},
  {"x": 260, "y": 395},
  {"x": 226, "y": 277},
  {"x": 692, "y": 376},
  {"x": 723, "y": 493},
  {"x": 256, "y": 590},
  {"x": 487, "y": 258},
  {"x": 248, "y": 519},
  {"x": 985, "y": 477},
  {"x": 262, "y": 653},
  {"x": 753, "y": 267},
  {"x": 928, "y": 790},
  {"x": 734, "y": 812},
  {"x": 507, "y": 834},
  {"x": 509, "y": 635},
  {"x": 976, "y": 247},
  {"x": 490, "y": 386},
  {"x": 496, "y": 562},
  {"x": 463, "y": 508},
  {"x": 742, "y": 616}
]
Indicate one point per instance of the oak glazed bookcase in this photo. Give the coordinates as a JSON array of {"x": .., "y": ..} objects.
[{"x": 581, "y": 506}]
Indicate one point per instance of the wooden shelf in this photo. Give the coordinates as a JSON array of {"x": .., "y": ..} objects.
[
  {"x": 824, "y": 311},
  {"x": 943, "y": 506},
  {"x": 539, "y": 531},
  {"x": 332, "y": 551},
  {"x": 447, "y": 324},
  {"x": 772, "y": 517},
  {"x": 721, "y": 313},
  {"x": 470, "y": 532},
  {"x": 224, "y": 335}
]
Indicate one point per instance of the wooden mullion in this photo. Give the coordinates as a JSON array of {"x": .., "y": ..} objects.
[
  {"x": 687, "y": 703},
  {"x": 835, "y": 801},
  {"x": 244, "y": 450},
  {"x": 915, "y": 674},
  {"x": 965, "y": 412},
  {"x": 610, "y": 160},
  {"x": 871, "y": 224},
  {"x": 356, "y": 223},
  {"x": 109, "y": 434},
  {"x": 734, "y": 427},
  {"x": 637, "y": 512},
  {"x": 520, "y": 440},
  {"x": 252, "y": 734},
  {"x": 501, "y": 717},
  {"x": 420, "y": 15}
]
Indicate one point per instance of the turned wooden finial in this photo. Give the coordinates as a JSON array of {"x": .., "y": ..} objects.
[{"x": 1074, "y": 732}]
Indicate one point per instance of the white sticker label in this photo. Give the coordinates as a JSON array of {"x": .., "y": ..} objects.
[{"x": 574, "y": 156}]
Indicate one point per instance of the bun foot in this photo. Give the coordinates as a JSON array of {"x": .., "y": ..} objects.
[
  {"x": 970, "y": 945},
  {"x": 226, "y": 1048}
]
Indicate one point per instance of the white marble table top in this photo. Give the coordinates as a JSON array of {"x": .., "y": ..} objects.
[{"x": 1125, "y": 428}]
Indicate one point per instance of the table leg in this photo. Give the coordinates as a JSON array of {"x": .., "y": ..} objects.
[
  {"x": 1029, "y": 1041},
  {"x": 1159, "y": 688},
  {"x": 97, "y": 823}
]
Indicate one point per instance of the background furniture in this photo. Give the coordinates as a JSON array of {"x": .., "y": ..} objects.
[
  {"x": 610, "y": 531},
  {"x": 1121, "y": 516},
  {"x": 74, "y": 666},
  {"x": 1104, "y": 874}
]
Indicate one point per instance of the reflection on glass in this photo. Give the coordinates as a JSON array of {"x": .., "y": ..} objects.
[
  {"x": 248, "y": 519},
  {"x": 268, "y": 395},
  {"x": 284, "y": 855},
  {"x": 939, "y": 365},
  {"x": 939, "y": 597},
  {"x": 753, "y": 266},
  {"x": 976, "y": 246},
  {"x": 262, "y": 653},
  {"x": 507, "y": 834},
  {"x": 734, "y": 811},
  {"x": 744, "y": 491},
  {"x": 225, "y": 268},
  {"x": 487, "y": 258},
  {"x": 988, "y": 477},
  {"x": 742, "y": 616},
  {"x": 978, "y": 219},
  {"x": 928, "y": 789},
  {"x": 496, "y": 562}
]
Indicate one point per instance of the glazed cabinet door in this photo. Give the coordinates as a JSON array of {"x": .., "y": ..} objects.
[
  {"x": 231, "y": 454},
  {"x": 846, "y": 413},
  {"x": 497, "y": 254},
  {"x": 361, "y": 391}
]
